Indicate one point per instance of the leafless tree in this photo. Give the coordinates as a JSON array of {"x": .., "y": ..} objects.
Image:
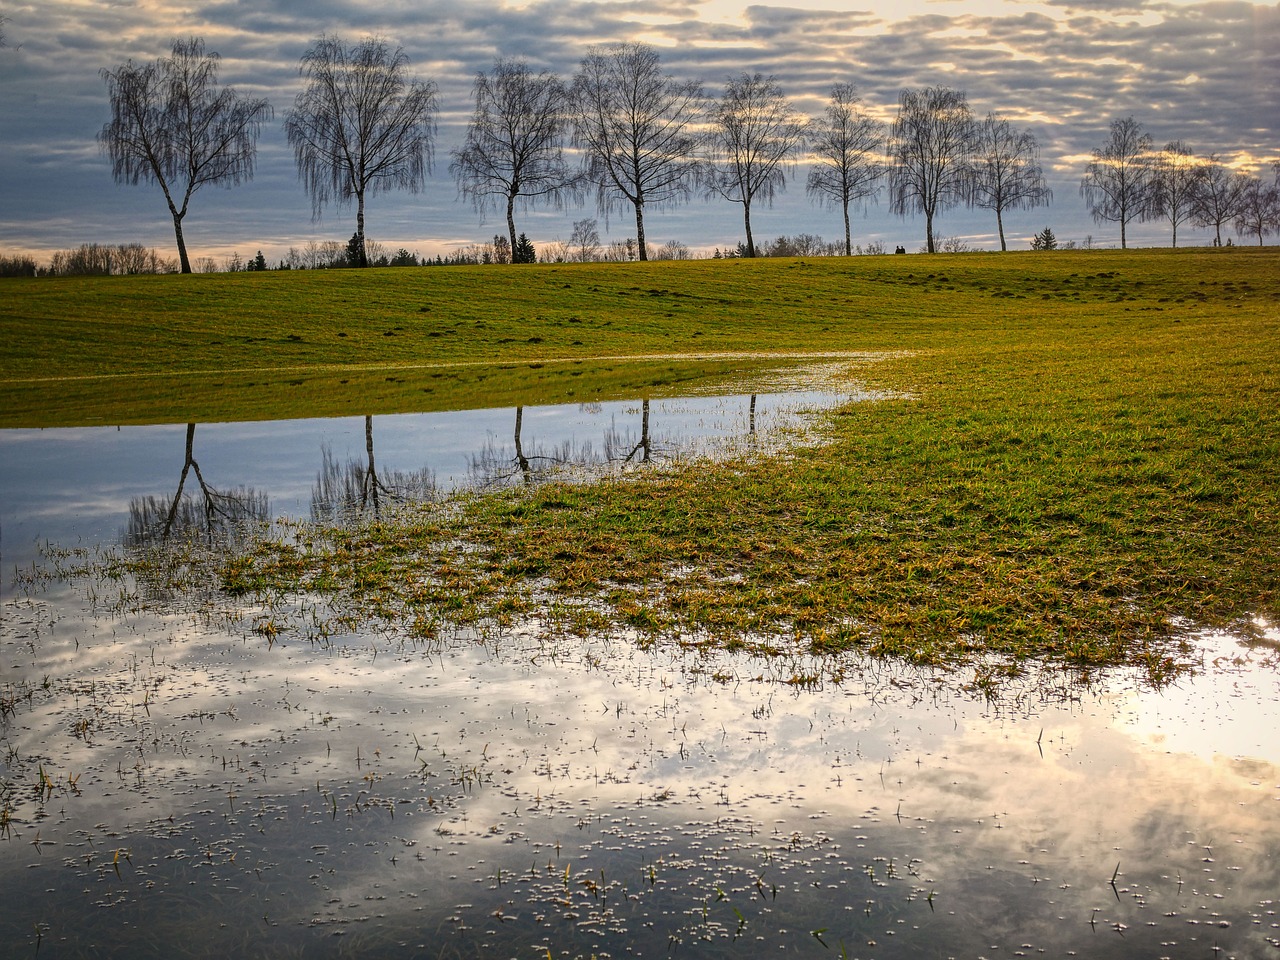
[
  {"x": 1117, "y": 184},
  {"x": 754, "y": 134},
  {"x": 638, "y": 130},
  {"x": 585, "y": 241},
  {"x": 513, "y": 151},
  {"x": 849, "y": 148},
  {"x": 929, "y": 145},
  {"x": 172, "y": 125},
  {"x": 1217, "y": 197},
  {"x": 1006, "y": 172},
  {"x": 1259, "y": 213},
  {"x": 1176, "y": 173},
  {"x": 361, "y": 125}
]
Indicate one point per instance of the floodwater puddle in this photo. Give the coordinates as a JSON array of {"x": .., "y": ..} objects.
[{"x": 172, "y": 784}]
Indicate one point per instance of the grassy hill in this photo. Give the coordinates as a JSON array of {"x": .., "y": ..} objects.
[{"x": 1084, "y": 458}]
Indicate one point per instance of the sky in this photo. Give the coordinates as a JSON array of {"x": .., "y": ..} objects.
[{"x": 1207, "y": 73}]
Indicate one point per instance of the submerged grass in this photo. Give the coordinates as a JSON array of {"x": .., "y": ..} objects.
[{"x": 1086, "y": 458}]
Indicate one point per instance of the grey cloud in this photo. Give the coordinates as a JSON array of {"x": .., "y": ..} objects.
[{"x": 1204, "y": 72}]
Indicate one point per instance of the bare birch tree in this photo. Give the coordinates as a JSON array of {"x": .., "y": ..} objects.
[
  {"x": 1259, "y": 213},
  {"x": 849, "y": 148},
  {"x": 514, "y": 148},
  {"x": 1217, "y": 197},
  {"x": 172, "y": 125},
  {"x": 1175, "y": 180},
  {"x": 638, "y": 130},
  {"x": 755, "y": 132},
  {"x": 1117, "y": 182},
  {"x": 929, "y": 147},
  {"x": 361, "y": 126},
  {"x": 1006, "y": 172}
]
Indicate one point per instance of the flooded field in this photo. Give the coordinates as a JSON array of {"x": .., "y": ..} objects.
[{"x": 174, "y": 784}]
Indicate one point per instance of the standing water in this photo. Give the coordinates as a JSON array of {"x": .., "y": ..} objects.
[{"x": 173, "y": 784}]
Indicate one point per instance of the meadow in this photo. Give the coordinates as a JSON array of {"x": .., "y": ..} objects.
[{"x": 1079, "y": 464}]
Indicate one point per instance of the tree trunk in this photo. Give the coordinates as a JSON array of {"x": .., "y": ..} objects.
[
  {"x": 372, "y": 476},
  {"x": 1122, "y": 242},
  {"x": 182, "y": 244},
  {"x": 521, "y": 460},
  {"x": 1000, "y": 226},
  {"x": 1175, "y": 235},
  {"x": 746, "y": 216},
  {"x": 511, "y": 223},
  {"x": 848, "y": 237},
  {"x": 643, "y": 252},
  {"x": 928, "y": 227},
  {"x": 364, "y": 254}
]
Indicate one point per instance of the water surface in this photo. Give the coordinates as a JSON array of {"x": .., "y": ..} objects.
[{"x": 173, "y": 784}]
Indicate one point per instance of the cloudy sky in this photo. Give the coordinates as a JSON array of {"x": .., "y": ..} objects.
[{"x": 1204, "y": 72}]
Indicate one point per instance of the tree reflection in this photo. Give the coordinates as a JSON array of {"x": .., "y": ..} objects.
[
  {"x": 495, "y": 465},
  {"x": 498, "y": 465},
  {"x": 615, "y": 442},
  {"x": 213, "y": 513},
  {"x": 343, "y": 491}
]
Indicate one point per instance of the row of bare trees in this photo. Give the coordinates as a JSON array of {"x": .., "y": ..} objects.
[
  {"x": 645, "y": 140},
  {"x": 1128, "y": 180}
]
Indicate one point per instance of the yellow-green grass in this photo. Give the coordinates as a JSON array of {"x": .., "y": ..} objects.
[{"x": 1089, "y": 458}]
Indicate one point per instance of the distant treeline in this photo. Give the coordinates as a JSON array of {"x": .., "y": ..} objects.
[{"x": 92, "y": 259}]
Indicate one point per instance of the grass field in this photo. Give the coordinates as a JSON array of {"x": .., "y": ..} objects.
[{"x": 1089, "y": 459}]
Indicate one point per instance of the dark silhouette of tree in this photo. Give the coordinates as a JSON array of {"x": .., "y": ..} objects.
[
  {"x": 929, "y": 145},
  {"x": 584, "y": 242},
  {"x": 360, "y": 126},
  {"x": 1117, "y": 182},
  {"x": 217, "y": 512},
  {"x": 343, "y": 491},
  {"x": 496, "y": 466},
  {"x": 849, "y": 146},
  {"x": 523, "y": 251},
  {"x": 1006, "y": 172},
  {"x": 755, "y": 132},
  {"x": 637, "y": 129},
  {"x": 1259, "y": 213},
  {"x": 1176, "y": 173},
  {"x": 172, "y": 125},
  {"x": 1044, "y": 240},
  {"x": 1217, "y": 197},
  {"x": 514, "y": 148}
]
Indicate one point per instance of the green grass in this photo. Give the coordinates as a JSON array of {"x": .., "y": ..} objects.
[{"x": 1089, "y": 458}]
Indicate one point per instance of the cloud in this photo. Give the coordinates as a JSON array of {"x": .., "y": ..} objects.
[{"x": 1203, "y": 72}]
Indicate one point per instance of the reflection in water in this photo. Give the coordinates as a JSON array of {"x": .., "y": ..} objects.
[
  {"x": 215, "y": 513},
  {"x": 344, "y": 491},
  {"x": 497, "y": 465},
  {"x": 217, "y": 780}
]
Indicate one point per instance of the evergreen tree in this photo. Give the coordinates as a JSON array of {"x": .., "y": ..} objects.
[
  {"x": 1044, "y": 240},
  {"x": 524, "y": 252}
]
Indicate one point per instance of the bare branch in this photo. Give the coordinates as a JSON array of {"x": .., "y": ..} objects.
[
  {"x": 360, "y": 126},
  {"x": 929, "y": 148},
  {"x": 755, "y": 133},
  {"x": 849, "y": 148},
  {"x": 637, "y": 128},
  {"x": 1006, "y": 173},
  {"x": 1117, "y": 183},
  {"x": 171, "y": 125},
  {"x": 514, "y": 148}
]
